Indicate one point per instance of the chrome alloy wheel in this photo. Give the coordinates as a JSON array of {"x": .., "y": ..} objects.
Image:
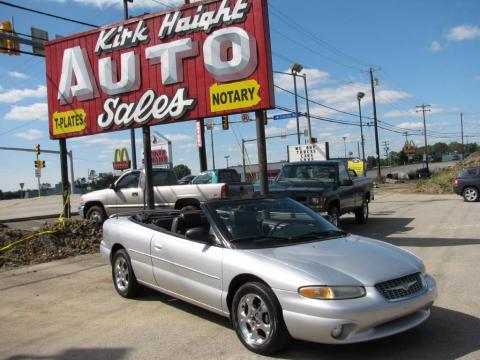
[
  {"x": 470, "y": 194},
  {"x": 254, "y": 319},
  {"x": 121, "y": 274},
  {"x": 96, "y": 216}
]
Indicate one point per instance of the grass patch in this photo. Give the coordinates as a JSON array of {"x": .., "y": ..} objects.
[{"x": 442, "y": 182}]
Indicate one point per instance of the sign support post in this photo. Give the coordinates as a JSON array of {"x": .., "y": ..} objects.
[
  {"x": 260, "y": 116},
  {"x": 64, "y": 173},
  {"x": 147, "y": 158},
  {"x": 202, "y": 152}
]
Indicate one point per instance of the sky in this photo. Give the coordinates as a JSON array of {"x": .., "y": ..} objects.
[{"x": 422, "y": 51}]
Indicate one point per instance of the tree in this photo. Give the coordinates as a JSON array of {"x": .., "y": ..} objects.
[
  {"x": 181, "y": 170},
  {"x": 439, "y": 149}
]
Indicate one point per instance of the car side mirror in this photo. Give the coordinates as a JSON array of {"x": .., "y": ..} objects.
[
  {"x": 348, "y": 182},
  {"x": 113, "y": 187},
  {"x": 201, "y": 234}
]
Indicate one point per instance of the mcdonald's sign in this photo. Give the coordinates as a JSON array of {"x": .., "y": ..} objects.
[{"x": 121, "y": 161}]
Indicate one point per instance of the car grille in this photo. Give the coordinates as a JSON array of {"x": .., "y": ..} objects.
[{"x": 400, "y": 288}]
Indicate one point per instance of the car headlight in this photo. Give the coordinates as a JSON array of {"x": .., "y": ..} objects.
[
  {"x": 332, "y": 292},
  {"x": 317, "y": 201},
  {"x": 423, "y": 269}
]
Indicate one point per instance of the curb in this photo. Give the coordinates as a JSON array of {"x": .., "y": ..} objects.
[{"x": 38, "y": 217}]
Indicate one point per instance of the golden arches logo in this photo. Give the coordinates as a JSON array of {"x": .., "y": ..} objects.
[{"x": 121, "y": 160}]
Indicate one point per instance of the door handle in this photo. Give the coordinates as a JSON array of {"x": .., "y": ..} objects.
[
  {"x": 134, "y": 193},
  {"x": 158, "y": 247}
]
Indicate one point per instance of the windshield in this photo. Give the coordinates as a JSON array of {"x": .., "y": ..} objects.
[
  {"x": 304, "y": 172},
  {"x": 255, "y": 223}
]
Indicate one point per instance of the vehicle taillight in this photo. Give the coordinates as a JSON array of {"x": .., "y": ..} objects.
[
  {"x": 224, "y": 191},
  {"x": 456, "y": 182}
]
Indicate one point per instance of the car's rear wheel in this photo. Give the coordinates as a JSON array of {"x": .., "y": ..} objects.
[
  {"x": 334, "y": 215},
  {"x": 96, "y": 213},
  {"x": 257, "y": 318},
  {"x": 123, "y": 276},
  {"x": 361, "y": 214},
  {"x": 470, "y": 194}
]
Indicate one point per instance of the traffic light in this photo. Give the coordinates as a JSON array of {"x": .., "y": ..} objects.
[
  {"x": 225, "y": 125},
  {"x": 39, "y": 164},
  {"x": 9, "y": 46},
  {"x": 37, "y": 149}
]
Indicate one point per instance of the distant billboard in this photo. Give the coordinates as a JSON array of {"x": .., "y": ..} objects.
[{"x": 308, "y": 152}]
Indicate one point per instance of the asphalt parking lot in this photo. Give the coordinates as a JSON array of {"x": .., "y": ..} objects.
[{"x": 69, "y": 309}]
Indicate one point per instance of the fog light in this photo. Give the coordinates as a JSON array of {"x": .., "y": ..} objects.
[{"x": 337, "y": 331}]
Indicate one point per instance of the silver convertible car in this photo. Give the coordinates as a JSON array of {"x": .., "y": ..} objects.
[{"x": 275, "y": 267}]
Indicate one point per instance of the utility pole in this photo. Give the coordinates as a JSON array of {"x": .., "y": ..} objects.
[
  {"x": 211, "y": 142},
  {"x": 345, "y": 145},
  {"x": 424, "y": 108},
  {"x": 358, "y": 149},
  {"x": 308, "y": 109},
  {"x": 386, "y": 148},
  {"x": 463, "y": 146},
  {"x": 132, "y": 131},
  {"x": 226, "y": 158},
  {"x": 243, "y": 161},
  {"x": 360, "y": 96},
  {"x": 296, "y": 106},
  {"x": 379, "y": 172}
]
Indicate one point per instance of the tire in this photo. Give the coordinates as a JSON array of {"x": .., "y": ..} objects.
[
  {"x": 123, "y": 276},
  {"x": 96, "y": 213},
  {"x": 470, "y": 194},
  {"x": 334, "y": 215},
  {"x": 361, "y": 214},
  {"x": 189, "y": 208},
  {"x": 264, "y": 313}
]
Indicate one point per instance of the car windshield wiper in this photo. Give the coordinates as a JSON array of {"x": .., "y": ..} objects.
[
  {"x": 259, "y": 237},
  {"x": 314, "y": 234}
]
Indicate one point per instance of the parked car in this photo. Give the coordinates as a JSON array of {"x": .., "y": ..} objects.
[
  {"x": 275, "y": 267},
  {"x": 186, "y": 180},
  {"x": 326, "y": 187},
  {"x": 228, "y": 176},
  {"x": 126, "y": 194},
  {"x": 467, "y": 184}
]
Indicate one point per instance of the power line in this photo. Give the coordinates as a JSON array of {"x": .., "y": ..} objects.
[
  {"x": 320, "y": 104},
  {"x": 301, "y": 29},
  {"x": 47, "y": 14}
]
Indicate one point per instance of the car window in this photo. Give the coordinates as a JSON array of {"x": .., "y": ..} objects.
[
  {"x": 308, "y": 172},
  {"x": 471, "y": 172},
  {"x": 228, "y": 176},
  {"x": 257, "y": 223},
  {"x": 342, "y": 173},
  {"x": 162, "y": 178},
  {"x": 203, "y": 178},
  {"x": 128, "y": 181}
]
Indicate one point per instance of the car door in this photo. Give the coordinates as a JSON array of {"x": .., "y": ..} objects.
[
  {"x": 346, "y": 192},
  {"x": 189, "y": 268},
  {"x": 125, "y": 196}
]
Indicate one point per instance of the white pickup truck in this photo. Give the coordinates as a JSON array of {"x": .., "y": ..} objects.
[{"x": 126, "y": 194}]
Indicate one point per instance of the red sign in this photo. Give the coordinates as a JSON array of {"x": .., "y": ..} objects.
[
  {"x": 159, "y": 157},
  {"x": 245, "y": 117},
  {"x": 202, "y": 60}
]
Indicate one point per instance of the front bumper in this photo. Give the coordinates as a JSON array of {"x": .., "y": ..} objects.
[
  {"x": 105, "y": 250},
  {"x": 363, "y": 319},
  {"x": 81, "y": 209}
]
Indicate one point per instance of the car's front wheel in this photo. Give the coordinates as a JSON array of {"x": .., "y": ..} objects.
[
  {"x": 470, "y": 194},
  {"x": 361, "y": 214},
  {"x": 257, "y": 318},
  {"x": 96, "y": 213},
  {"x": 123, "y": 276}
]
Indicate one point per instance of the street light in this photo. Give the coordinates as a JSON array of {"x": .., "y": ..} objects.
[
  {"x": 226, "y": 157},
  {"x": 360, "y": 96},
  {"x": 296, "y": 68}
]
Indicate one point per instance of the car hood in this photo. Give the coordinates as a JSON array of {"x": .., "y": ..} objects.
[
  {"x": 94, "y": 195},
  {"x": 300, "y": 186},
  {"x": 352, "y": 260}
]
